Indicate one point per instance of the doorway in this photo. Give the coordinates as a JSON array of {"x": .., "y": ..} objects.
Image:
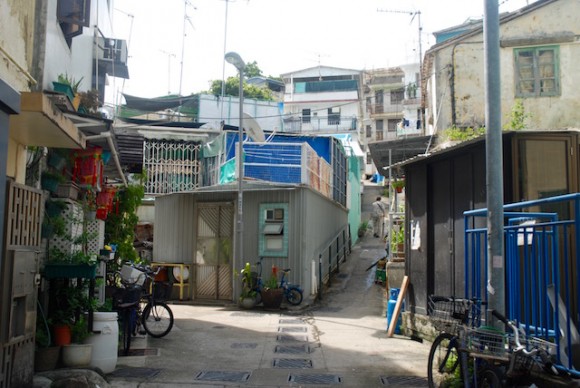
[{"x": 213, "y": 258}]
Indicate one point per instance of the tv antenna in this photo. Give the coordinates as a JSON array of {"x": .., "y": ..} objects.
[{"x": 420, "y": 28}]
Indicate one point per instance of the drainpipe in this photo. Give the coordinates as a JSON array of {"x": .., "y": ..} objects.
[{"x": 107, "y": 135}]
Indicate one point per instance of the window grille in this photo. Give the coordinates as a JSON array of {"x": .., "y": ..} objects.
[{"x": 171, "y": 166}]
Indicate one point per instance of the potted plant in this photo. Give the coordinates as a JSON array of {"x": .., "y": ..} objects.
[
  {"x": 398, "y": 185},
  {"x": 362, "y": 228},
  {"x": 272, "y": 294},
  {"x": 46, "y": 353},
  {"x": 247, "y": 298},
  {"x": 78, "y": 353},
  {"x": 398, "y": 241},
  {"x": 49, "y": 180},
  {"x": 68, "y": 86}
]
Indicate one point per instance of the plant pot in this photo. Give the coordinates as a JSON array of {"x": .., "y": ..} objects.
[
  {"x": 77, "y": 355},
  {"x": 49, "y": 183},
  {"x": 45, "y": 359},
  {"x": 247, "y": 302},
  {"x": 62, "y": 334},
  {"x": 68, "y": 190},
  {"x": 272, "y": 298},
  {"x": 70, "y": 271}
]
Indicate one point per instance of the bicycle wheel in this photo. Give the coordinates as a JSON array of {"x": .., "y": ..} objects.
[
  {"x": 490, "y": 378},
  {"x": 444, "y": 362},
  {"x": 157, "y": 319},
  {"x": 294, "y": 296}
]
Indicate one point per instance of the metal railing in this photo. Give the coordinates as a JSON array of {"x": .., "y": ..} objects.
[
  {"x": 330, "y": 255},
  {"x": 542, "y": 268}
]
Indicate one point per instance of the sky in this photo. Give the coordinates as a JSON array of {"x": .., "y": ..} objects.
[{"x": 178, "y": 45}]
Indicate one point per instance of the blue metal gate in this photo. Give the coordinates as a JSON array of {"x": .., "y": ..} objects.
[{"x": 542, "y": 268}]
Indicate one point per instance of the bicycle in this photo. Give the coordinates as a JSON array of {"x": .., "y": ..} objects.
[
  {"x": 292, "y": 292},
  {"x": 478, "y": 355},
  {"x": 139, "y": 307}
]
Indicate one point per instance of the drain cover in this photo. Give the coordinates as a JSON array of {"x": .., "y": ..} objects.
[
  {"x": 244, "y": 345},
  {"x": 216, "y": 375},
  {"x": 315, "y": 379},
  {"x": 146, "y": 373},
  {"x": 295, "y": 321},
  {"x": 292, "y": 338},
  {"x": 404, "y": 381},
  {"x": 292, "y": 349},
  {"x": 292, "y": 329},
  {"x": 139, "y": 352},
  {"x": 296, "y": 363}
]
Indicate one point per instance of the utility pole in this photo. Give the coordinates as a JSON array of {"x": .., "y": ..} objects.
[{"x": 420, "y": 31}]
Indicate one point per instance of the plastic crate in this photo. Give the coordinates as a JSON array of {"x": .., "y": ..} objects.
[{"x": 162, "y": 290}]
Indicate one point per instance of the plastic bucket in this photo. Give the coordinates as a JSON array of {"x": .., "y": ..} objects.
[{"x": 105, "y": 343}]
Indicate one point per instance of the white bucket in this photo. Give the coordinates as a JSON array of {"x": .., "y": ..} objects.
[{"x": 104, "y": 355}]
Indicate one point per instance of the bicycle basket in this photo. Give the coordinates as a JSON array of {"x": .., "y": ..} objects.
[
  {"x": 447, "y": 314},
  {"x": 131, "y": 294},
  {"x": 487, "y": 341},
  {"x": 162, "y": 290},
  {"x": 132, "y": 275},
  {"x": 524, "y": 362}
]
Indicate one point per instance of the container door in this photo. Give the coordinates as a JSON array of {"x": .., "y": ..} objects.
[{"x": 213, "y": 259}]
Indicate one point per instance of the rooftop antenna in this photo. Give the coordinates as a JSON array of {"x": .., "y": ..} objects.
[
  {"x": 169, "y": 55},
  {"x": 186, "y": 19},
  {"x": 420, "y": 30}
]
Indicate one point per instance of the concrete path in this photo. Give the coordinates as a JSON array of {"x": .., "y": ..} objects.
[{"x": 339, "y": 341}]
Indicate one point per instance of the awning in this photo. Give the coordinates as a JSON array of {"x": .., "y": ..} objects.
[
  {"x": 41, "y": 123},
  {"x": 400, "y": 150}
]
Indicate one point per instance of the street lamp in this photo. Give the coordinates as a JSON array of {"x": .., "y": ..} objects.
[{"x": 238, "y": 62}]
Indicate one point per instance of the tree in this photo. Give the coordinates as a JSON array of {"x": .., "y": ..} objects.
[{"x": 232, "y": 85}]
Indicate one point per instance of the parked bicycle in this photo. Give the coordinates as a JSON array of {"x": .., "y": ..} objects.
[
  {"x": 475, "y": 355},
  {"x": 292, "y": 292},
  {"x": 141, "y": 304}
]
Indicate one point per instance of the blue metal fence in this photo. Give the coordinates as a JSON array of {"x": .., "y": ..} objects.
[{"x": 542, "y": 268}]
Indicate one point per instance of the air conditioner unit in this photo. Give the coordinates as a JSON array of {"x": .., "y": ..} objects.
[{"x": 113, "y": 50}]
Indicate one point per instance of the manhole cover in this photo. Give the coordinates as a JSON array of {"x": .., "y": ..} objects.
[
  {"x": 245, "y": 314},
  {"x": 292, "y": 338},
  {"x": 404, "y": 381},
  {"x": 292, "y": 349},
  {"x": 215, "y": 375},
  {"x": 315, "y": 379},
  {"x": 244, "y": 346},
  {"x": 139, "y": 352},
  {"x": 145, "y": 373},
  {"x": 295, "y": 321},
  {"x": 296, "y": 363},
  {"x": 292, "y": 329}
]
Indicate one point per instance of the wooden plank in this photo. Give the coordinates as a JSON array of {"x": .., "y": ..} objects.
[{"x": 398, "y": 306}]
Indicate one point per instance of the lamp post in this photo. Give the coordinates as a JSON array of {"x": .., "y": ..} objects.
[{"x": 238, "y": 62}]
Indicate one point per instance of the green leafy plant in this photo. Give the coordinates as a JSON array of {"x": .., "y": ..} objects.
[
  {"x": 362, "y": 228},
  {"x": 74, "y": 84},
  {"x": 462, "y": 134},
  {"x": 398, "y": 184},
  {"x": 518, "y": 117},
  {"x": 272, "y": 281},
  {"x": 247, "y": 282},
  {"x": 79, "y": 330}
]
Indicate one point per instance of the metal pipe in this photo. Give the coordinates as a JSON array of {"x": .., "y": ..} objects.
[
  {"x": 494, "y": 162},
  {"x": 114, "y": 154}
]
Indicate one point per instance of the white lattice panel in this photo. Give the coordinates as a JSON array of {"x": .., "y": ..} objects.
[
  {"x": 73, "y": 216},
  {"x": 96, "y": 230}
]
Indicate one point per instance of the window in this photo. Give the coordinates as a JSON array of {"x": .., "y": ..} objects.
[
  {"x": 397, "y": 95},
  {"x": 379, "y": 125},
  {"x": 73, "y": 15},
  {"x": 305, "y": 115},
  {"x": 392, "y": 125},
  {"x": 273, "y": 238},
  {"x": 333, "y": 116},
  {"x": 369, "y": 131},
  {"x": 379, "y": 101},
  {"x": 537, "y": 72}
]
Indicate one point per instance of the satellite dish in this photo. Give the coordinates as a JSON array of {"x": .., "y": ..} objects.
[{"x": 253, "y": 129}]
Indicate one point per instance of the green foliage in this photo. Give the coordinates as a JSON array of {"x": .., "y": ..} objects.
[
  {"x": 398, "y": 183},
  {"x": 71, "y": 302},
  {"x": 272, "y": 281},
  {"x": 120, "y": 225},
  {"x": 247, "y": 282},
  {"x": 79, "y": 330},
  {"x": 518, "y": 117},
  {"x": 362, "y": 228},
  {"x": 462, "y": 134},
  {"x": 252, "y": 70},
  {"x": 233, "y": 86},
  {"x": 70, "y": 81}
]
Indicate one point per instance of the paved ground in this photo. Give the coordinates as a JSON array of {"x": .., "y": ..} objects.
[{"x": 340, "y": 341}]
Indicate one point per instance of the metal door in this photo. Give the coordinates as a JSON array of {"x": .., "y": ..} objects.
[{"x": 213, "y": 259}]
